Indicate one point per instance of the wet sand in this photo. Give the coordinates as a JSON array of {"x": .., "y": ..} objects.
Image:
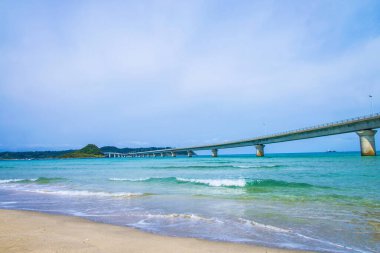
[{"x": 24, "y": 231}]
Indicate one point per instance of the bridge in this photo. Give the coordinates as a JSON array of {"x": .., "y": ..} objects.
[
  {"x": 116, "y": 154},
  {"x": 364, "y": 126}
]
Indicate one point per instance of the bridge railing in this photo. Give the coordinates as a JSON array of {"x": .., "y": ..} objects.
[
  {"x": 335, "y": 123},
  {"x": 320, "y": 126}
]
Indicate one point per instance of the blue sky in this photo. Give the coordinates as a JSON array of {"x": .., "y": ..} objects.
[{"x": 179, "y": 73}]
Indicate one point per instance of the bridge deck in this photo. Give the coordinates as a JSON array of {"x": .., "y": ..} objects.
[{"x": 339, "y": 127}]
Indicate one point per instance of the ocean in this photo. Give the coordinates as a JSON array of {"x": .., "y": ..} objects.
[{"x": 326, "y": 202}]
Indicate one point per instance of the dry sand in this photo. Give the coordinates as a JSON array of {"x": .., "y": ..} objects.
[{"x": 24, "y": 231}]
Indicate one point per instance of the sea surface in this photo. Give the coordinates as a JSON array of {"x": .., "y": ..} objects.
[{"x": 327, "y": 202}]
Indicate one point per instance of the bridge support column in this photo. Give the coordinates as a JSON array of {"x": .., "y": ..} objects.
[
  {"x": 174, "y": 154},
  {"x": 214, "y": 152},
  {"x": 260, "y": 150},
  {"x": 189, "y": 153},
  {"x": 367, "y": 142}
]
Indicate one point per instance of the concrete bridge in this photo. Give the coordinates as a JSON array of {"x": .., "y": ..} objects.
[
  {"x": 116, "y": 154},
  {"x": 363, "y": 126}
]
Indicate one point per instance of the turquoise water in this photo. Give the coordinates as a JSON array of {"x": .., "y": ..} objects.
[{"x": 327, "y": 202}]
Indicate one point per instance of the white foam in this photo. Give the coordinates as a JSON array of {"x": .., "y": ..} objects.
[
  {"x": 181, "y": 216},
  {"x": 263, "y": 226},
  {"x": 216, "y": 182},
  {"x": 331, "y": 243},
  {"x": 4, "y": 181},
  {"x": 128, "y": 179},
  {"x": 8, "y": 202},
  {"x": 12, "y": 180},
  {"x": 282, "y": 230},
  {"x": 88, "y": 193}
]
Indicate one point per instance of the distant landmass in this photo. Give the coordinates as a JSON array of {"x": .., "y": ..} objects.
[{"x": 90, "y": 150}]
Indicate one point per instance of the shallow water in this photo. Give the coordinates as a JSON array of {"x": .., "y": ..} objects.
[{"x": 328, "y": 202}]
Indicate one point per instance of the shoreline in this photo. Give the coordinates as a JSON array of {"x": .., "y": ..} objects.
[{"x": 29, "y": 231}]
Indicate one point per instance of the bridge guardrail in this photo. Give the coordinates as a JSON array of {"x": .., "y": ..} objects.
[
  {"x": 335, "y": 123},
  {"x": 324, "y": 125}
]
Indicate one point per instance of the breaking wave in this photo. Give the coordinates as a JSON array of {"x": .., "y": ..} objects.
[
  {"x": 40, "y": 180},
  {"x": 89, "y": 193},
  {"x": 216, "y": 182},
  {"x": 234, "y": 183}
]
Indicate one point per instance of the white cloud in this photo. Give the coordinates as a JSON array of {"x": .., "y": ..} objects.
[{"x": 180, "y": 68}]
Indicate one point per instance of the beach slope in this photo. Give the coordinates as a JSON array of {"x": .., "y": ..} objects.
[{"x": 24, "y": 231}]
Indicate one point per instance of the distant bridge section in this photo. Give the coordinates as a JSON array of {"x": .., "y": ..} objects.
[{"x": 364, "y": 126}]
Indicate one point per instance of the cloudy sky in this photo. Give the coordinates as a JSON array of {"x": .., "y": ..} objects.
[{"x": 178, "y": 73}]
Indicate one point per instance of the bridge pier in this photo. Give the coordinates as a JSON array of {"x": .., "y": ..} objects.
[
  {"x": 174, "y": 154},
  {"x": 214, "y": 152},
  {"x": 162, "y": 154},
  {"x": 260, "y": 150},
  {"x": 367, "y": 142},
  {"x": 189, "y": 153}
]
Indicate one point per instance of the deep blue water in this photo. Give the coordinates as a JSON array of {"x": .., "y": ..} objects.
[{"x": 328, "y": 202}]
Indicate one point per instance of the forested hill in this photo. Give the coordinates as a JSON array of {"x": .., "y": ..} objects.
[{"x": 88, "y": 151}]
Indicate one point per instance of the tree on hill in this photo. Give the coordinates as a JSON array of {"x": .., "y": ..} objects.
[{"x": 90, "y": 150}]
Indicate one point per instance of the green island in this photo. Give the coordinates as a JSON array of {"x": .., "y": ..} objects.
[{"x": 89, "y": 151}]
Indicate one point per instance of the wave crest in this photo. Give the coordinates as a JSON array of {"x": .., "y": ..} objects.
[
  {"x": 40, "y": 180},
  {"x": 90, "y": 193},
  {"x": 234, "y": 183},
  {"x": 216, "y": 182}
]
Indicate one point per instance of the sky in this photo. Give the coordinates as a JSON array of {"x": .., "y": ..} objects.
[{"x": 182, "y": 73}]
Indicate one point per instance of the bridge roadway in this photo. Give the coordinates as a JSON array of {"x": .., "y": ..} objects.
[{"x": 364, "y": 126}]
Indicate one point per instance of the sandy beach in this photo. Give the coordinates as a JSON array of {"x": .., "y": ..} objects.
[{"x": 24, "y": 231}]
